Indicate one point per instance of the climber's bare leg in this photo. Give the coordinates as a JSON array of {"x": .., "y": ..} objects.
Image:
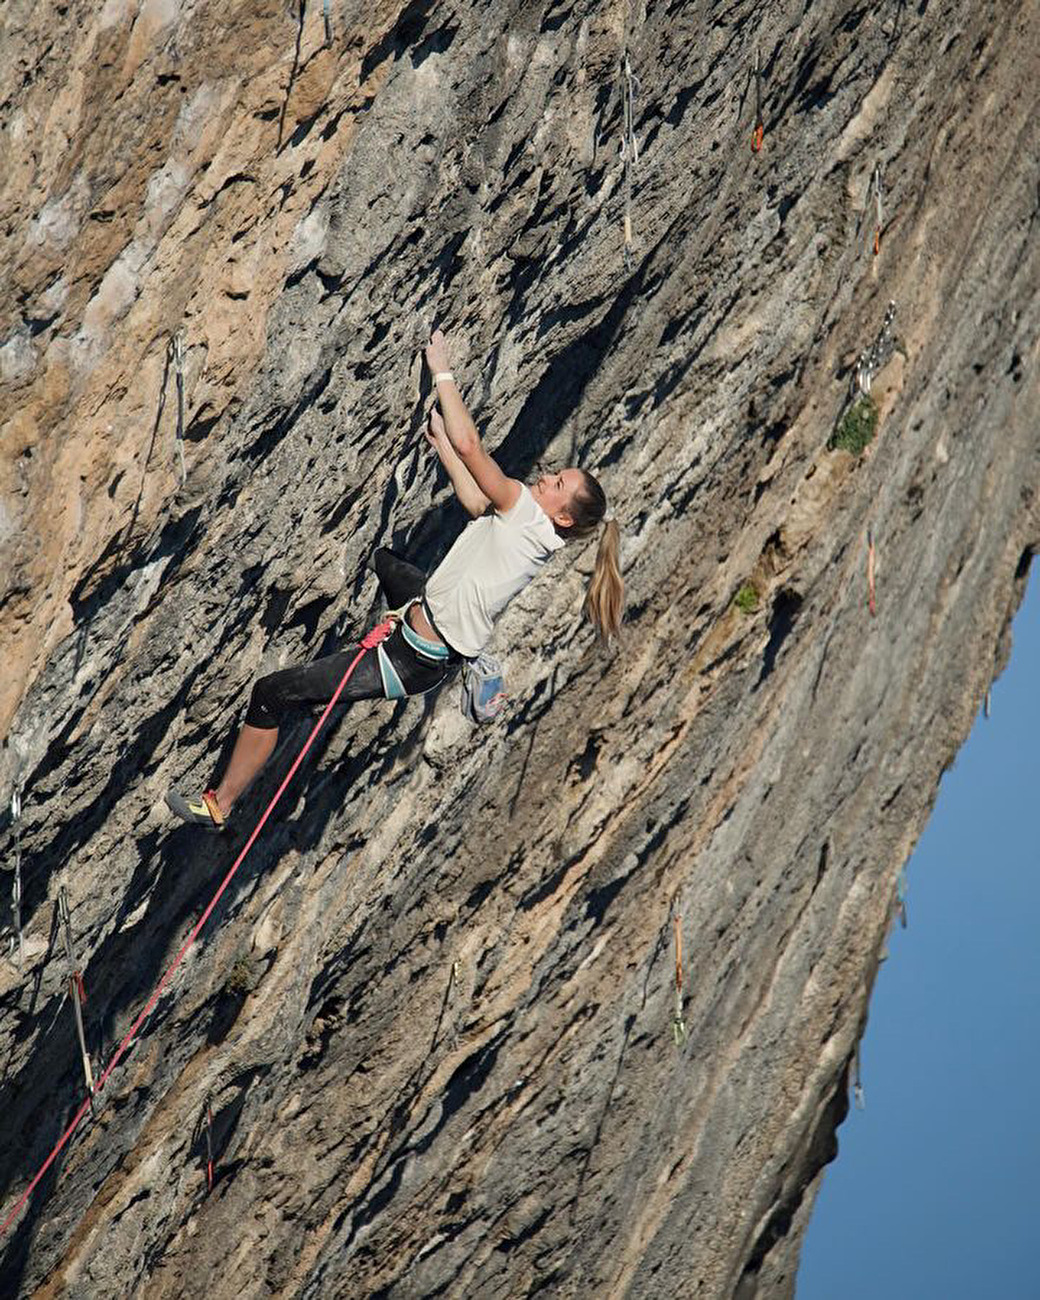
[{"x": 253, "y": 748}]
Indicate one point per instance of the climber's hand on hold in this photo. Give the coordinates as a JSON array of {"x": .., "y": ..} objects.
[
  {"x": 473, "y": 500},
  {"x": 436, "y": 434},
  {"x": 483, "y": 480},
  {"x": 437, "y": 353}
]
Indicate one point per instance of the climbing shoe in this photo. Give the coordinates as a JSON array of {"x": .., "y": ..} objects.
[{"x": 204, "y": 811}]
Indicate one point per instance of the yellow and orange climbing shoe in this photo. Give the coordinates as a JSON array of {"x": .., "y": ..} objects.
[{"x": 197, "y": 812}]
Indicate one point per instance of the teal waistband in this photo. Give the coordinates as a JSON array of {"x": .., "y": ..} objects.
[{"x": 431, "y": 649}]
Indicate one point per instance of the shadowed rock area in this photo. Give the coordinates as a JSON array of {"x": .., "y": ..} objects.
[{"x": 432, "y": 1016}]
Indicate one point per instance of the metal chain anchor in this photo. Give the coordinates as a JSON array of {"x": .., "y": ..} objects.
[{"x": 876, "y": 357}]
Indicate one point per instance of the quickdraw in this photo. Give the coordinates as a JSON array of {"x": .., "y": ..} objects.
[
  {"x": 758, "y": 133},
  {"x": 857, "y": 1083},
  {"x": 629, "y": 147},
  {"x": 177, "y": 360},
  {"x": 901, "y": 899},
  {"x": 678, "y": 1024},
  {"x": 876, "y": 180},
  {"x": 209, "y": 1148},
  {"x": 16, "y": 883},
  {"x": 77, "y": 991}
]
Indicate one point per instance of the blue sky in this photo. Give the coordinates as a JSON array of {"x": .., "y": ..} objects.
[{"x": 935, "y": 1190}]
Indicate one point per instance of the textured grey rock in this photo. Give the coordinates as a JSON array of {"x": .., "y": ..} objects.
[{"x": 448, "y": 1066}]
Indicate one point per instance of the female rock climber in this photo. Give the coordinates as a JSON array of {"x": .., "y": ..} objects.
[{"x": 448, "y": 616}]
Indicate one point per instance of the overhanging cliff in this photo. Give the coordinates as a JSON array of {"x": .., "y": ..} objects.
[{"x": 432, "y": 1017}]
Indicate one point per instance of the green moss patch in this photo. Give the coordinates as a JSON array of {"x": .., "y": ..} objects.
[
  {"x": 857, "y": 426},
  {"x": 747, "y": 599}
]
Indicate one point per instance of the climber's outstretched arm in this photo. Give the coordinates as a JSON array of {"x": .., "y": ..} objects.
[
  {"x": 474, "y": 502},
  {"x": 499, "y": 489}
]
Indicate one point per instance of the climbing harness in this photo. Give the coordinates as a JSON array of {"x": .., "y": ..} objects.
[
  {"x": 368, "y": 642},
  {"x": 876, "y": 181},
  {"x": 436, "y": 651},
  {"x": 870, "y": 573},
  {"x": 177, "y": 360},
  {"x": 760, "y": 127},
  {"x": 77, "y": 992},
  {"x": 328, "y": 22},
  {"x": 629, "y": 147},
  {"x": 16, "y": 883},
  {"x": 678, "y": 1024}
]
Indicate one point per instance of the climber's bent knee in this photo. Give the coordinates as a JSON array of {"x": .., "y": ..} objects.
[
  {"x": 277, "y": 696},
  {"x": 266, "y": 708}
]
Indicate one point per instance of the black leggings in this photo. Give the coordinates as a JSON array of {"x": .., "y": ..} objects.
[{"x": 315, "y": 683}]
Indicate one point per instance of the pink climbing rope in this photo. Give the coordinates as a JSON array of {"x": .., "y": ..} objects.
[{"x": 370, "y": 640}]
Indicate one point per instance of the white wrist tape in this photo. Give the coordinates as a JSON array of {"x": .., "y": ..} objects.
[{"x": 443, "y": 374}]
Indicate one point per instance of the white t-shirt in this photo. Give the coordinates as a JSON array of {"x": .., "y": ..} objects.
[{"x": 493, "y": 558}]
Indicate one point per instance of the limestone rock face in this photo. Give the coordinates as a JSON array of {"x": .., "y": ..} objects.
[{"x": 432, "y": 1015}]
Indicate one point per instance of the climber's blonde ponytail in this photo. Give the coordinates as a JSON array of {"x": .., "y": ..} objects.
[{"x": 604, "y": 600}]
